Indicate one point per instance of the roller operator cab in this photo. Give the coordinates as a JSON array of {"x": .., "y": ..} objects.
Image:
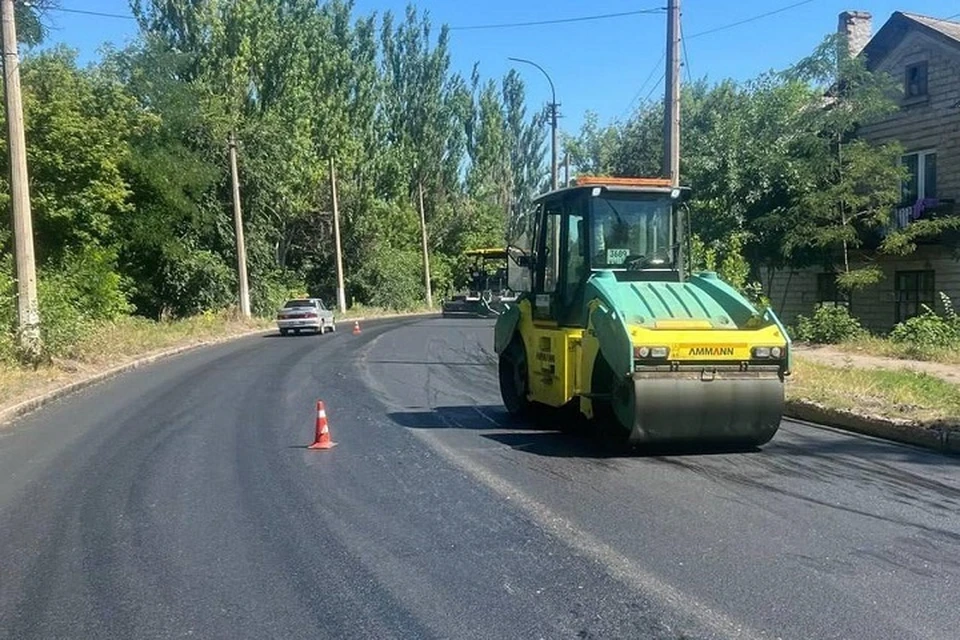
[{"x": 607, "y": 323}]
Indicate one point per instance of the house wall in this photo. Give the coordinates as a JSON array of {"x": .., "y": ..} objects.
[
  {"x": 795, "y": 292},
  {"x": 933, "y": 123}
]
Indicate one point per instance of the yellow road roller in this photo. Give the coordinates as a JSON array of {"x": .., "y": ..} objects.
[{"x": 609, "y": 324}]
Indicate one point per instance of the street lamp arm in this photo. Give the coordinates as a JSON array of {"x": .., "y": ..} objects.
[{"x": 553, "y": 93}]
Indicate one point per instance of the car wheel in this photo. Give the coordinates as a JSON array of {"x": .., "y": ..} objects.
[{"x": 284, "y": 332}]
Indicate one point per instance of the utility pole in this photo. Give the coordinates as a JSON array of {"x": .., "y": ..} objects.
[
  {"x": 28, "y": 311},
  {"x": 671, "y": 100},
  {"x": 341, "y": 295},
  {"x": 553, "y": 144},
  {"x": 566, "y": 169},
  {"x": 238, "y": 225},
  {"x": 553, "y": 122},
  {"x": 426, "y": 257}
]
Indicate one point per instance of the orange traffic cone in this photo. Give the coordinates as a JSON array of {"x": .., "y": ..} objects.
[
  {"x": 322, "y": 438},
  {"x": 356, "y": 327}
]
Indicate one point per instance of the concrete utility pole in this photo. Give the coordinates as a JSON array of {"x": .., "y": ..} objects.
[
  {"x": 671, "y": 100},
  {"x": 341, "y": 295},
  {"x": 566, "y": 169},
  {"x": 426, "y": 256},
  {"x": 28, "y": 311},
  {"x": 238, "y": 225},
  {"x": 553, "y": 122}
]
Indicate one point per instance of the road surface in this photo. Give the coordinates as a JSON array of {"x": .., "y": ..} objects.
[{"x": 179, "y": 501}]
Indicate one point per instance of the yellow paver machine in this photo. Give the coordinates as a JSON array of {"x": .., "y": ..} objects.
[
  {"x": 486, "y": 292},
  {"x": 608, "y": 324}
]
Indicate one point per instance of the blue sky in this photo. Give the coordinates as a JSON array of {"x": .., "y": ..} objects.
[{"x": 596, "y": 65}]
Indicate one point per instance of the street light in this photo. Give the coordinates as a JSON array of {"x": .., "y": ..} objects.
[{"x": 553, "y": 121}]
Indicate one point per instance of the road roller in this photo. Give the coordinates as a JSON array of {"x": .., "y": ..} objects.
[{"x": 610, "y": 325}]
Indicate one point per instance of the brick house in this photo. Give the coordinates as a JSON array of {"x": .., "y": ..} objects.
[{"x": 925, "y": 53}]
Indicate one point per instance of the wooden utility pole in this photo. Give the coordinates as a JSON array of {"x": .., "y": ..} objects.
[
  {"x": 426, "y": 256},
  {"x": 671, "y": 100},
  {"x": 553, "y": 144},
  {"x": 238, "y": 225},
  {"x": 28, "y": 312},
  {"x": 341, "y": 295}
]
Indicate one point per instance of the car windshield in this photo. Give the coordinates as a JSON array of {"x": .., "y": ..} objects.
[
  {"x": 631, "y": 231},
  {"x": 297, "y": 303}
]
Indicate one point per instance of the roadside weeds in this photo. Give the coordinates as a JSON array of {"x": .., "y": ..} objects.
[{"x": 899, "y": 404}]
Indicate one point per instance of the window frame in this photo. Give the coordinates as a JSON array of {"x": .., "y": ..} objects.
[
  {"x": 839, "y": 297},
  {"x": 922, "y": 155},
  {"x": 925, "y": 89},
  {"x": 901, "y": 304}
]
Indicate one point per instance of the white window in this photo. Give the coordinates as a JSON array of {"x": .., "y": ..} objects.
[{"x": 921, "y": 181}]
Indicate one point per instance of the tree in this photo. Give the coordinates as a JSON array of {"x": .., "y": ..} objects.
[{"x": 853, "y": 184}]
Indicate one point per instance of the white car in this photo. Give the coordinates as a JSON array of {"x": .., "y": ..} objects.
[{"x": 305, "y": 314}]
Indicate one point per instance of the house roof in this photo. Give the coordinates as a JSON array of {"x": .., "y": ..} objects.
[{"x": 899, "y": 25}]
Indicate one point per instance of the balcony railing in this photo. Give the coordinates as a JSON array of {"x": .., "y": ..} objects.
[{"x": 925, "y": 208}]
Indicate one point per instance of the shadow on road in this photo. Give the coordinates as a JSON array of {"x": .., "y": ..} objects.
[
  {"x": 302, "y": 334},
  {"x": 553, "y": 435},
  {"x": 434, "y": 363}
]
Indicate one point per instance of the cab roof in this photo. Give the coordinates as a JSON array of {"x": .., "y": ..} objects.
[
  {"x": 487, "y": 253},
  {"x": 612, "y": 183}
]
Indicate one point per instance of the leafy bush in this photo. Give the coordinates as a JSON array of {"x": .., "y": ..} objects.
[
  {"x": 268, "y": 292},
  {"x": 392, "y": 279},
  {"x": 930, "y": 331},
  {"x": 830, "y": 324},
  {"x": 191, "y": 281}
]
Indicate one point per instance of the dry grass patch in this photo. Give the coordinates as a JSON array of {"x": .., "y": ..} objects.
[{"x": 894, "y": 394}]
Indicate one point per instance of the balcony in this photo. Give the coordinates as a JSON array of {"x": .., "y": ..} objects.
[{"x": 924, "y": 209}]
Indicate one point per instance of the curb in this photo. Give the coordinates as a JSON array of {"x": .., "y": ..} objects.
[
  {"x": 944, "y": 438},
  {"x": 32, "y": 404}
]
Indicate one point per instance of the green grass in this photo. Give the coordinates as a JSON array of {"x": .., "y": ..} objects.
[{"x": 895, "y": 394}]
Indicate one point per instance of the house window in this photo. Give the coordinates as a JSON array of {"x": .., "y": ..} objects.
[
  {"x": 913, "y": 290},
  {"x": 921, "y": 181},
  {"x": 915, "y": 80},
  {"x": 829, "y": 294}
]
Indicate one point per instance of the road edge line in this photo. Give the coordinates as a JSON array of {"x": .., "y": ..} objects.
[{"x": 28, "y": 406}]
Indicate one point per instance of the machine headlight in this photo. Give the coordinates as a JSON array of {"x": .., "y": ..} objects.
[
  {"x": 650, "y": 352},
  {"x": 762, "y": 353}
]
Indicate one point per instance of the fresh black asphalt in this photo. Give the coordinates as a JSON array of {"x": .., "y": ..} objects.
[{"x": 179, "y": 501}]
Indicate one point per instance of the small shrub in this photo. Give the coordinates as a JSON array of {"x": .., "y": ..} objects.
[
  {"x": 930, "y": 331},
  {"x": 830, "y": 324}
]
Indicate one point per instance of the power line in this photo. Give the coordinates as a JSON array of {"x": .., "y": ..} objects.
[
  {"x": 686, "y": 58},
  {"x": 99, "y": 14},
  {"x": 654, "y": 87},
  {"x": 684, "y": 39},
  {"x": 956, "y": 15},
  {"x": 645, "y": 82},
  {"x": 559, "y": 20},
  {"x": 751, "y": 19}
]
